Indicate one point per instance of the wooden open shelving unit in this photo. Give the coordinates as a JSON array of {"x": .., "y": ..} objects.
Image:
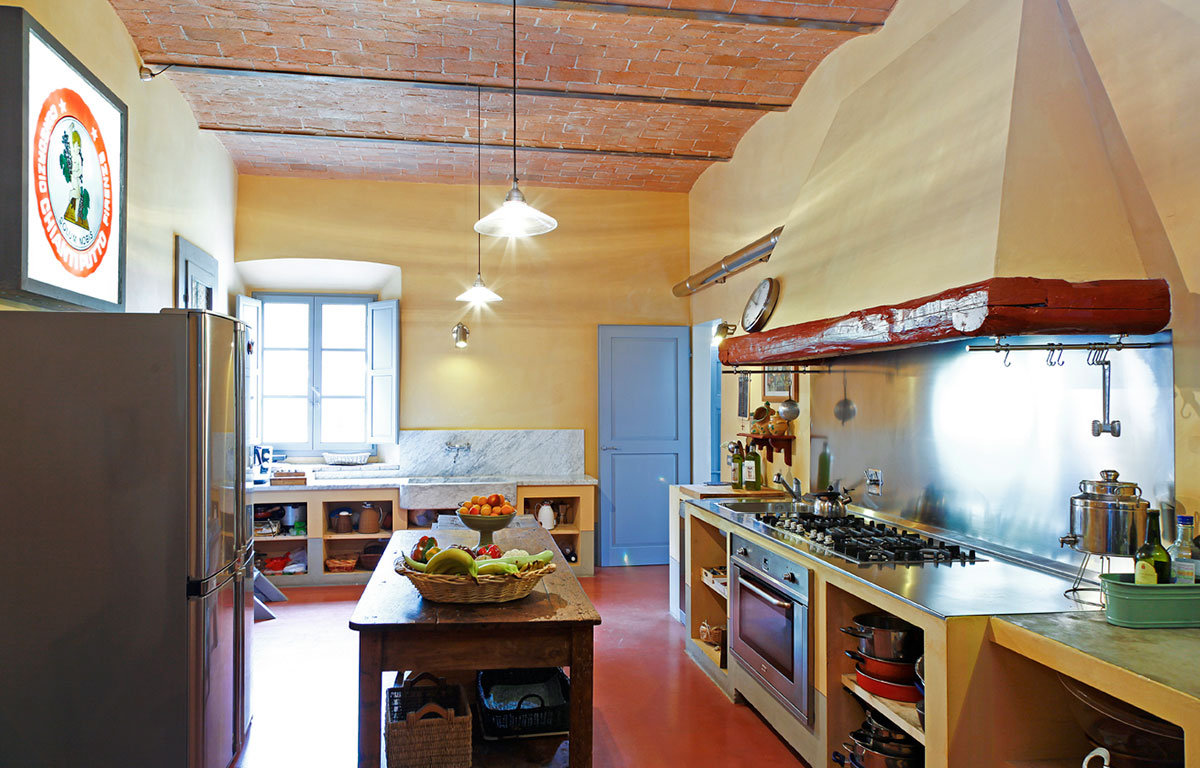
[
  {"x": 576, "y": 502},
  {"x": 575, "y": 506},
  {"x": 319, "y": 541}
]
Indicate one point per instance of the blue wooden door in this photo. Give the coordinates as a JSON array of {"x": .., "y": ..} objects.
[{"x": 645, "y": 426}]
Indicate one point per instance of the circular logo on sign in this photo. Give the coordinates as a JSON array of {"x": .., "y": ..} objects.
[{"x": 74, "y": 185}]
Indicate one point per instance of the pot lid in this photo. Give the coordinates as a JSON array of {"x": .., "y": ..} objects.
[{"x": 1109, "y": 488}]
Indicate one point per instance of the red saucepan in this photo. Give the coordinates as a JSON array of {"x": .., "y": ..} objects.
[
  {"x": 892, "y": 671},
  {"x": 886, "y": 688}
]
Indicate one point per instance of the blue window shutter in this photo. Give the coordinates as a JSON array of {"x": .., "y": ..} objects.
[{"x": 383, "y": 371}]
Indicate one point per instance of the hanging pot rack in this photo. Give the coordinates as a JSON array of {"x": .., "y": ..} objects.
[{"x": 1097, "y": 355}]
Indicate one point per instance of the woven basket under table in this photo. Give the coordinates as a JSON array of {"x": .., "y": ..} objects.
[
  {"x": 428, "y": 724},
  {"x": 444, "y": 588}
]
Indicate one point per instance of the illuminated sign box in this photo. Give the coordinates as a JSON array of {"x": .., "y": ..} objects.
[{"x": 62, "y": 190}]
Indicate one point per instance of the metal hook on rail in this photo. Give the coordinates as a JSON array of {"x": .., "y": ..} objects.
[{"x": 1006, "y": 354}]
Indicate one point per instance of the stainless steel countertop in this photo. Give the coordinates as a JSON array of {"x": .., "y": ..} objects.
[{"x": 996, "y": 586}]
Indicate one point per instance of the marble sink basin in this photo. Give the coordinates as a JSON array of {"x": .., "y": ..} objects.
[{"x": 449, "y": 492}]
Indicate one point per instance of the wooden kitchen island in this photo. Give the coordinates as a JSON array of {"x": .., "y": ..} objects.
[{"x": 398, "y": 630}]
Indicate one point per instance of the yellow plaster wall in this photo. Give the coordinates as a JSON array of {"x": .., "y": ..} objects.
[
  {"x": 959, "y": 143},
  {"x": 180, "y": 181},
  {"x": 886, "y": 173},
  {"x": 532, "y": 358}
]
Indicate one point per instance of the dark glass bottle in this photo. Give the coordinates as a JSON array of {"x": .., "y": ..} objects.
[{"x": 1151, "y": 563}]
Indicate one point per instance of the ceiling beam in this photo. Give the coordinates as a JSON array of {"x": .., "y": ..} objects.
[
  {"x": 275, "y": 133},
  {"x": 440, "y": 85},
  {"x": 718, "y": 17}
]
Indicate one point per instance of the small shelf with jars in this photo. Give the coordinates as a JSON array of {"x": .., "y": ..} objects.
[
  {"x": 337, "y": 548},
  {"x": 571, "y": 508}
]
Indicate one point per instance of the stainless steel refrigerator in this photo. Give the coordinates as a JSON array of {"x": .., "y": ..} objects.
[{"x": 126, "y": 549}]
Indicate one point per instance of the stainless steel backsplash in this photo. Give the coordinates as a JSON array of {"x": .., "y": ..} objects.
[{"x": 993, "y": 452}]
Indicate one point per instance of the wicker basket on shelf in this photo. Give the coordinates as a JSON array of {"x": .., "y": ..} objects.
[
  {"x": 444, "y": 588},
  {"x": 428, "y": 724},
  {"x": 341, "y": 563}
]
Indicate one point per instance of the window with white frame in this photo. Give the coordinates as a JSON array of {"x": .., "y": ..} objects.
[{"x": 314, "y": 372}]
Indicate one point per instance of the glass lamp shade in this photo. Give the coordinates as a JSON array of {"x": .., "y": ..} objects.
[
  {"x": 479, "y": 293},
  {"x": 515, "y": 218}
]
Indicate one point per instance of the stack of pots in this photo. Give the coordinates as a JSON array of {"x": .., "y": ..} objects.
[
  {"x": 875, "y": 745},
  {"x": 888, "y": 648}
]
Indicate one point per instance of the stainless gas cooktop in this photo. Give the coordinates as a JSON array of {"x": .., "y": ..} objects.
[{"x": 868, "y": 541}]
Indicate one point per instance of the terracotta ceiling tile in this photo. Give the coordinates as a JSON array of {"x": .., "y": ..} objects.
[{"x": 677, "y": 53}]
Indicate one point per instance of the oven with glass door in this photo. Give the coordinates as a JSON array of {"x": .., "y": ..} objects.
[{"x": 768, "y": 614}]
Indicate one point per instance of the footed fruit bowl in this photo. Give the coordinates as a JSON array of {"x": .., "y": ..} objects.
[{"x": 486, "y": 525}]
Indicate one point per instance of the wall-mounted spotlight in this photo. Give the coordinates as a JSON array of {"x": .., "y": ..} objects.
[
  {"x": 146, "y": 74},
  {"x": 460, "y": 333},
  {"x": 721, "y": 331}
]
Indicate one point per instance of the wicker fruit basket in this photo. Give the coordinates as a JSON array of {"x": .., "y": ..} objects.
[{"x": 444, "y": 588}]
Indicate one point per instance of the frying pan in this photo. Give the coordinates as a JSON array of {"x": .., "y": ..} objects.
[
  {"x": 892, "y": 671},
  {"x": 887, "y": 689}
]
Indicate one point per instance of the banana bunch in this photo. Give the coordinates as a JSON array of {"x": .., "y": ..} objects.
[{"x": 459, "y": 562}]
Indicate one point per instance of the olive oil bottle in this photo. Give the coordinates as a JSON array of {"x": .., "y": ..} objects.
[
  {"x": 752, "y": 470},
  {"x": 1152, "y": 564},
  {"x": 737, "y": 460}
]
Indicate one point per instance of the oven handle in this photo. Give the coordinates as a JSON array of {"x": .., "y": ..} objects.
[{"x": 763, "y": 594}]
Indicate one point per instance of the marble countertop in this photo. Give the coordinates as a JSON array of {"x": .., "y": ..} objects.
[
  {"x": 1160, "y": 655},
  {"x": 334, "y": 481}
]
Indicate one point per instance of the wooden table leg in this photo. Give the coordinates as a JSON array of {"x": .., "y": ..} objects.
[
  {"x": 370, "y": 670},
  {"x": 581, "y": 698}
]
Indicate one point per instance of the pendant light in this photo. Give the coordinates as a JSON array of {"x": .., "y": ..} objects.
[
  {"x": 515, "y": 218},
  {"x": 460, "y": 334},
  {"x": 479, "y": 293}
]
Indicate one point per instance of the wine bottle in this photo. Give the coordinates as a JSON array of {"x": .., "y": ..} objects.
[
  {"x": 1152, "y": 564},
  {"x": 1183, "y": 567},
  {"x": 738, "y": 459},
  {"x": 752, "y": 470}
]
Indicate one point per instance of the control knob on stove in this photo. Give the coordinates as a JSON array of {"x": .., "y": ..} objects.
[{"x": 789, "y": 576}]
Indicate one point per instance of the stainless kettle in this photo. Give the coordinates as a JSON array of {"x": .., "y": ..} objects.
[{"x": 830, "y": 503}]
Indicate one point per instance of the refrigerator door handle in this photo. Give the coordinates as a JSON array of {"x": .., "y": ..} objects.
[{"x": 202, "y": 587}]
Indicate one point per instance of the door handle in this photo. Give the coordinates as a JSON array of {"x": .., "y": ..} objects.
[
  {"x": 608, "y": 447},
  {"x": 762, "y": 593}
]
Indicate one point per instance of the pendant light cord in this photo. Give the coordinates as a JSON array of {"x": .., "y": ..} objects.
[
  {"x": 514, "y": 78},
  {"x": 478, "y": 177}
]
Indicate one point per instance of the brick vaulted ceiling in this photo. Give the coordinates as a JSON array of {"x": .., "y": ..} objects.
[{"x": 612, "y": 96}]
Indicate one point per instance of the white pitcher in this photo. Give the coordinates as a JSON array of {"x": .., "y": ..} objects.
[{"x": 545, "y": 516}]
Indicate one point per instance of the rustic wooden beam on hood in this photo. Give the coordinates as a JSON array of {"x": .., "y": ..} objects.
[{"x": 1002, "y": 306}]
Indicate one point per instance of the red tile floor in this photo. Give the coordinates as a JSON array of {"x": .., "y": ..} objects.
[{"x": 653, "y": 706}]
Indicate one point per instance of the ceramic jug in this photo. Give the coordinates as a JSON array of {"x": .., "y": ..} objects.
[
  {"x": 368, "y": 519},
  {"x": 545, "y": 516}
]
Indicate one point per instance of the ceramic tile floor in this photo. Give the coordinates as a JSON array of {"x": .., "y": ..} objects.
[{"x": 653, "y": 706}]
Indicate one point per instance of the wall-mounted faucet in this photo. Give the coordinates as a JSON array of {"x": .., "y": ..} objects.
[
  {"x": 795, "y": 490},
  {"x": 452, "y": 447}
]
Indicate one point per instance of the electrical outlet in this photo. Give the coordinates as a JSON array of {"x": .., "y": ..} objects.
[{"x": 874, "y": 482}]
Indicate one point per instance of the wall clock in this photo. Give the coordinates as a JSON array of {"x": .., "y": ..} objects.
[{"x": 761, "y": 305}]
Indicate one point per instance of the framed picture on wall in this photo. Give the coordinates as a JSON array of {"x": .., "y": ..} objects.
[
  {"x": 779, "y": 386},
  {"x": 63, "y": 138},
  {"x": 195, "y": 276}
]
